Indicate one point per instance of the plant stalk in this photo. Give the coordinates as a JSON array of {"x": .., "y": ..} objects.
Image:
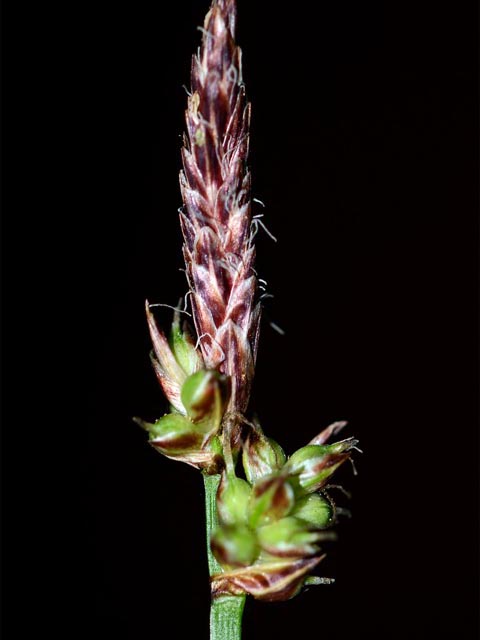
[{"x": 226, "y": 611}]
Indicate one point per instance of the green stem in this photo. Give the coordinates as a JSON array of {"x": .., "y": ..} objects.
[
  {"x": 226, "y": 618},
  {"x": 226, "y": 611}
]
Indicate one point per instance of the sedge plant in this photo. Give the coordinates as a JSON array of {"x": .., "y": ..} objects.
[{"x": 267, "y": 514}]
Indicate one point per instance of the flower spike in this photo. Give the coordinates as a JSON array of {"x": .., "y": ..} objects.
[{"x": 267, "y": 524}]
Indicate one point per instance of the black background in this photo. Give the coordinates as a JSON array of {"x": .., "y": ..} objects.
[{"x": 363, "y": 149}]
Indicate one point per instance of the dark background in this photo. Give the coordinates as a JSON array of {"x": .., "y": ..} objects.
[{"x": 363, "y": 149}]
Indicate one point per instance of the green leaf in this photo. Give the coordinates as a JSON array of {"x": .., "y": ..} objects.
[
  {"x": 173, "y": 434},
  {"x": 204, "y": 396},
  {"x": 234, "y": 545},
  {"x": 290, "y": 537},
  {"x": 316, "y": 510},
  {"x": 183, "y": 347},
  {"x": 272, "y": 498},
  {"x": 261, "y": 456},
  {"x": 310, "y": 467},
  {"x": 232, "y": 500}
]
